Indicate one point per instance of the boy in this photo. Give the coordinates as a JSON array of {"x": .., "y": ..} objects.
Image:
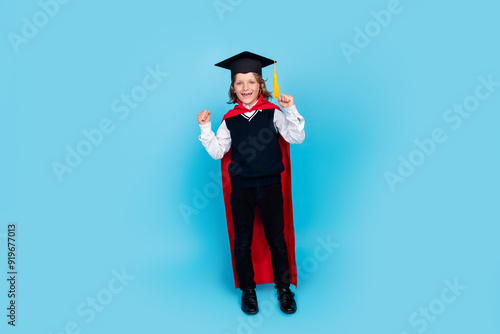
[{"x": 252, "y": 142}]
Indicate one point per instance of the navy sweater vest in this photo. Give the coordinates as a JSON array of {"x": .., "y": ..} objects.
[{"x": 256, "y": 158}]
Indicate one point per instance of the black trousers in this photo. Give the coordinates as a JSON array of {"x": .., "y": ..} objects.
[{"x": 269, "y": 200}]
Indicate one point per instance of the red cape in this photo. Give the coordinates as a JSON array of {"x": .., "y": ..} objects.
[{"x": 261, "y": 256}]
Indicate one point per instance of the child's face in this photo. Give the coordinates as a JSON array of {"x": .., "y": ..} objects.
[{"x": 247, "y": 88}]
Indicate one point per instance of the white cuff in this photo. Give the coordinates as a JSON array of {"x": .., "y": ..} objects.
[
  {"x": 206, "y": 128},
  {"x": 293, "y": 113}
]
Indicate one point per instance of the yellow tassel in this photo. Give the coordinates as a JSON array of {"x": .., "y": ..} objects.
[{"x": 276, "y": 92}]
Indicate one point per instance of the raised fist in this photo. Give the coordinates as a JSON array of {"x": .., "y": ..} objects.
[
  {"x": 286, "y": 101},
  {"x": 204, "y": 117}
]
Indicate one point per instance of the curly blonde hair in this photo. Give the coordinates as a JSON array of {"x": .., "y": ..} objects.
[{"x": 233, "y": 98}]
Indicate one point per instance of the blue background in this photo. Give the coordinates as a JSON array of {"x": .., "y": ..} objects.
[{"x": 121, "y": 208}]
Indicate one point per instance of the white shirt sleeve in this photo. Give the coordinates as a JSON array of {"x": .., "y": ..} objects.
[
  {"x": 216, "y": 145},
  {"x": 290, "y": 125}
]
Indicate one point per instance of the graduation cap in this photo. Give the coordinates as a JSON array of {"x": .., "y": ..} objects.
[{"x": 246, "y": 62}]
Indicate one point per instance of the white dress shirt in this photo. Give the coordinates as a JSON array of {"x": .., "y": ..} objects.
[{"x": 289, "y": 124}]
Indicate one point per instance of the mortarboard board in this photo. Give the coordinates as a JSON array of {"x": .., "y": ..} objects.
[{"x": 246, "y": 62}]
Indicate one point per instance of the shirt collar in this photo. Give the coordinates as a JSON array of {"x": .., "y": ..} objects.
[{"x": 249, "y": 106}]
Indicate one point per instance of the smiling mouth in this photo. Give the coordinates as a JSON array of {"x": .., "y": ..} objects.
[{"x": 246, "y": 94}]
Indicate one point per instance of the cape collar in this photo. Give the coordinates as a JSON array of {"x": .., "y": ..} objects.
[{"x": 240, "y": 108}]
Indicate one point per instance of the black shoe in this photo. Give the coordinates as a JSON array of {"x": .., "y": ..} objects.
[
  {"x": 287, "y": 302},
  {"x": 249, "y": 302}
]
